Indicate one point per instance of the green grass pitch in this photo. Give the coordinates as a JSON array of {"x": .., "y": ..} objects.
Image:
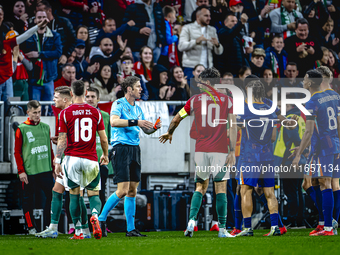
[{"x": 203, "y": 242}]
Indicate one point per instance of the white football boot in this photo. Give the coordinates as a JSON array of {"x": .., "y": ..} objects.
[
  {"x": 190, "y": 228},
  {"x": 224, "y": 233},
  {"x": 47, "y": 233}
]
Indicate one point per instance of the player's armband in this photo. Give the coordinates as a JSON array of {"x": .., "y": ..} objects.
[{"x": 183, "y": 113}]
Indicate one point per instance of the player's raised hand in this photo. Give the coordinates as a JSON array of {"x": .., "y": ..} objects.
[
  {"x": 145, "y": 124},
  {"x": 165, "y": 137},
  {"x": 104, "y": 160},
  {"x": 231, "y": 159},
  {"x": 58, "y": 170}
]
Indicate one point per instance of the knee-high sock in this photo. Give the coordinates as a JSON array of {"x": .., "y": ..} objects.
[
  {"x": 327, "y": 206},
  {"x": 130, "y": 211},
  {"x": 247, "y": 222},
  {"x": 265, "y": 204},
  {"x": 336, "y": 210},
  {"x": 95, "y": 204},
  {"x": 75, "y": 212},
  {"x": 221, "y": 209},
  {"x": 83, "y": 213},
  {"x": 56, "y": 206},
  {"x": 318, "y": 199},
  {"x": 274, "y": 218},
  {"x": 195, "y": 206},
  {"x": 109, "y": 205},
  {"x": 238, "y": 212}
]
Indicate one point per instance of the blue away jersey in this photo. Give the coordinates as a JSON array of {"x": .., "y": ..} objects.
[
  {"x": 257, "y": 145},
  {"x": 324, "y": 107},
  {"x": 126, "y": 135}
]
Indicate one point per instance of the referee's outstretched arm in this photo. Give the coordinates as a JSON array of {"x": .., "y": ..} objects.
[{"x": 145, "y": 125}]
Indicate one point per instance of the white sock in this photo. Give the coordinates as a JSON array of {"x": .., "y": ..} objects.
[
  {"x": 78, "y": 229},
  {"x": 86, "y": 231},
  {"x": 71, "y": 225},
  {"x": 53, "y": 227},
  {"x": 196, "y": 223},
  {"x": 328, "y": 228},
  {"x": 321, "y": 223},
  {"x": 213, "y": 223}
]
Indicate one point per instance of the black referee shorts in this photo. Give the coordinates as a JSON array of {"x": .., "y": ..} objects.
[{"x": 126, "y": 163}]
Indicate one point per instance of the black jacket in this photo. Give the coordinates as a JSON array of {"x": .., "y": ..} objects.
[
  {"x": 139, "y": 15},
  {"x": 64, "y": 27},
  {"x": 233, "y": 57}
]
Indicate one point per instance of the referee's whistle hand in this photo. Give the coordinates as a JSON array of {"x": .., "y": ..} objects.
[{"x": 145, "y": 124}]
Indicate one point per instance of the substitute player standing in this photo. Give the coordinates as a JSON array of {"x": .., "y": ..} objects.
[
  {"x": 211, "y": 150},
  {"x": 127, "y": 119},
  {"x": 77, "y": 138},
  {"x": 325, "y": 144}
]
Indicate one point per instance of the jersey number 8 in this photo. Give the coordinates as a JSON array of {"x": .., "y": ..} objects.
[
  {"x": 85, "y": 125},
  {"x": 332, "y": 121}
]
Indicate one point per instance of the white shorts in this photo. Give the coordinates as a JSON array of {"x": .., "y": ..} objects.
[
  {"x": 63, "y": 181},
  {"x": 207, "y": 163},
  {"x": 82, "y": 172}
]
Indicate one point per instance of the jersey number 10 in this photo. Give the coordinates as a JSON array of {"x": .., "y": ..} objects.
[{"x": 85, "y": 125}]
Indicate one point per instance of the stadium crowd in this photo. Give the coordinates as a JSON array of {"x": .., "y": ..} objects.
[{"x": 165, "y": 43}]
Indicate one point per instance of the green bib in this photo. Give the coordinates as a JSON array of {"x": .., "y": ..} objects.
[
  {"x": 280, "y": 147},
  {"x": 106, "y": 119},
  {"x": 36, "y": 148}
]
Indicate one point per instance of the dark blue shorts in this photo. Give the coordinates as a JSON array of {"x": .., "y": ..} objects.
[{"x": 261, "y": 173}]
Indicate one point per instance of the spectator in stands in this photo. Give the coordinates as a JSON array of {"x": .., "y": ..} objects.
[
  {"x": 199, "y": 5},
  {"x": 242, "y": 74},
  {"x": 86, "y": 83},
  {"x": 325, "y": 56},
  {"x": 198, "y": 41},
  {"x": 180, "y": 83},
  {"x": 233, "y": 57},
  {"x": 199, "y": 68},
  {"x": 83, "y": 69},
  {"x": 116, "y": 67},
  {"x": 20, "y": 76},
  {"x": 94, "y": 19},
  {"x": 110, "y": 30},
  {"x": 276, "y": 57},
  {"x": 6, "y": 61},
  {"x": 126, "y": 71},
  {"x": 333, "y": 63},
  {"x": 145, "y": 66},
  {"x": 257, "y": 60},
  {"x": 149, "y": 29},
  {"x": 20, "y": 17},
  {"x": 62, "y": 26},
  {"x": 43, "y": 49},
  {"x": 284, "y": 18},
  {"x": 292, "y": 81},
  {"x": 302, "y": 48},
  {"x": 34, "y": 158},
  {"x": 257, "y": 12},
  {"x": 219, "y": 11},
  {"x": 104, "y": 54},
  {"x": 158, "y": 88},
  {"x": 83, "y": 34},
  {"x": 169, "y": 56},
  {"x": 327, "y": 37},
  {"x": 268, "y": 83},
  {"x": 68, "y": 76},
  {"x": 105, "y": 84},
  {"x": 75, "y": 10},
  {"x": 316, "y": 22}
]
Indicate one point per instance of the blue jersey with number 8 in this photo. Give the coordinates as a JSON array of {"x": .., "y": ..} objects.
[
  {"x": 258, "y": 146},
  {"x": 324, "y": 108}
]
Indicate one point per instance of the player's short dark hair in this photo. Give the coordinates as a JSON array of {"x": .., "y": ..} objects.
[
  {"x": 302, "y": 21},
  {"x": 315, "y": 77},
  {"x": 129, "y": 81},
  {"x": 78, "y": 88},
  {"x": 209, "y": 73},
  {"x": 64, "y": 91},
  {"x": 250, "y": 78},
  {"x": 126, "y": 58},
  {"x": 33, "y": 104},
  {"x": 46, "y": 4},
  {"x": 258, "y": 89},
  {"x": 67, "y": 65},
  {"x": 325, "y": 71},
  {"x": 167, "y": 10},
  {"x": 92, "y": 89}
]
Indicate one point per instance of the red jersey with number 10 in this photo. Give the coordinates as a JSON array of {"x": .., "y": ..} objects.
[
  {"x": 81, "y": 122},
  {"x": 209, "y": 130}
]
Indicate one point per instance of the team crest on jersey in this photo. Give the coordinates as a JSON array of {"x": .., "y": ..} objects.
[{"x": 30, "y": 137}]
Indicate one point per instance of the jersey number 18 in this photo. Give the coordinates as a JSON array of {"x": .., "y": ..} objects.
[{"x": 85, "y": 125}]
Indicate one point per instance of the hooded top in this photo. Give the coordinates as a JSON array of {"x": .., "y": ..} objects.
[{"x": 154, "y": 85}]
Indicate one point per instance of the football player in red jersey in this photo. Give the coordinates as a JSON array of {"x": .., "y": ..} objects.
[
  {"x": 77, "y": 140},
  {"x": 211, "y": 152}
]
